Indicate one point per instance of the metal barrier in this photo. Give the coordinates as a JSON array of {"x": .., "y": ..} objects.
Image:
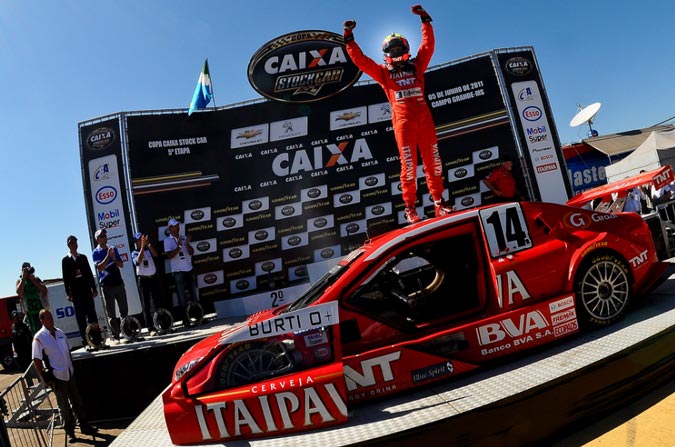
[{"x": 29, "y": 415}]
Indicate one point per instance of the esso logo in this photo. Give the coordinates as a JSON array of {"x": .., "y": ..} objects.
[
  {"x": 320, "y": 222},
  {"x": 203, "y": 246},
  {"x": 532, "y": 113},
  {"x": 255, "y": 205},
  {"x": 577, "y": 220},
  {"x": 301, "y": 271},
  {"x": 267, "y": 266},
  {"x": 106, "y": 195},
  {"x": 242, "y": 284}
]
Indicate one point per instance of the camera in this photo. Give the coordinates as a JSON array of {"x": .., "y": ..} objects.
[{"x": 30, "y": 270}]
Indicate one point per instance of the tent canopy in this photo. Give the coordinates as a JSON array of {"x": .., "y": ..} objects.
[
  {"x": 619, "y": 143},
  {"x": 658, "y": 149},
  {"x": 659, "y": 177}
]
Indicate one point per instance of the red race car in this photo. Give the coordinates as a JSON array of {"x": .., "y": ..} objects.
[{"x": 408, "y": 308}]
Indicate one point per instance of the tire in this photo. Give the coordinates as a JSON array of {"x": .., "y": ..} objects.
[
  {"x": 253, "y": 362},
  {"x": 603, "y": 290}
]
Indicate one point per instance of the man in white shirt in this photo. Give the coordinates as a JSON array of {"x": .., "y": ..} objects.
[
  {"x": 51, "y": 357},
  {"x": 179, "y": 251}
]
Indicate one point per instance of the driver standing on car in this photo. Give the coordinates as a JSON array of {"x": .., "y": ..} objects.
[{"x": 402, "y": 79}]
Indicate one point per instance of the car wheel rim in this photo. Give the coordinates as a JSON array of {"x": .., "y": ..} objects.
[
  {"x": 257, "y": 364},
  {"x": 604, "y": 290}
]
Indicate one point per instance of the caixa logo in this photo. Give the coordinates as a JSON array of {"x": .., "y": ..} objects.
[
  {"x": 485, "y": 154},
  {"x": 210, "y": 278},
  {"x": 303, "y": 66},
  {"x": 100, "y": 138},
  {"x": 197, "y": 214},
  {"x": 532, "y": 113},
  {"x": 106, "y": 195}
]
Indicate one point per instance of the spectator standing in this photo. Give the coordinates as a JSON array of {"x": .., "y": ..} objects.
[
  {"x": 33, "y": 294},
  {"x": 51, "y": 357},
  {"x": 402, "y": 79},
  {"x": 21, "y": 340},
  {"x": 80, "y": 286},
  {"x": 179, "y": 251},
  {"x": 143, "y": 258},
  {"x": 633, "y": 200},
  {"x": 108, "y": 264}
]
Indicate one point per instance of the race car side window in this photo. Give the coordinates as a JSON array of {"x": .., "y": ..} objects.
[
  {"x": 505, "y": 229},
  {"x": 435, "y": 279}
]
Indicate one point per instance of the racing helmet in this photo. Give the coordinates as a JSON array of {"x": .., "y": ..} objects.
[{"x": 396, "y": 49}]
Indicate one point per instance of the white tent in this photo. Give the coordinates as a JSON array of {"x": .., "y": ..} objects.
[{"x": 657, "y": 150}]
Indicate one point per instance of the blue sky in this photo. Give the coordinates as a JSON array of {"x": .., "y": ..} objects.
[{"x": 64, "y": 62}]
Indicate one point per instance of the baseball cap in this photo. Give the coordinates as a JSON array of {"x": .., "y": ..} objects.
[
  {"x": 70, "y": 239},
  {"x": 173, "y": 223},
  {"x": 138, "y": 236},
  {"x": 99, "y": 233}
]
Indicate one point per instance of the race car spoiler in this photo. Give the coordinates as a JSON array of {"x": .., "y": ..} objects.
[{"x": 659, "y": 177}]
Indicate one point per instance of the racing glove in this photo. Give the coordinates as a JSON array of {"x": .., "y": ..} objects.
[
  {"x": 349, "y": 25},
  {"x": 417, "y": 9}
]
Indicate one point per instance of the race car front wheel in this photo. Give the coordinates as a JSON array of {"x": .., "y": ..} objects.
[
  {"x": 253, "y": 362},
  {"x": 602, "y": 290}
]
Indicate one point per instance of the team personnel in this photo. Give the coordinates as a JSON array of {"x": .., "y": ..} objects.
[
  {"x": 80, "y": 285},
  {"x": 143, "y": 258},
  {"x": 502, "y": 184},
  {"x": 108, "y": 264},
  {"x": 402, "y": 79},
  {"x": 51, "y": 357},
  {"x": 179, "y": 250}
]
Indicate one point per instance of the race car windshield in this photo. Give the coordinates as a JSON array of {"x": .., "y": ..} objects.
[{"x": 314, "y": 292}]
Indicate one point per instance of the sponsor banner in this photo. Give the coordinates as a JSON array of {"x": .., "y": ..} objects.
[
  {"x": 108, "y": 212},
  {"x": 539, "y": 141}
]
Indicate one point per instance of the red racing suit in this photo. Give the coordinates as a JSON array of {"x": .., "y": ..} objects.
[{"x": 410, "y": 115}]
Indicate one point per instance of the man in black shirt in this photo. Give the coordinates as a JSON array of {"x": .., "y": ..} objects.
[{"x": 80, "y": 286}]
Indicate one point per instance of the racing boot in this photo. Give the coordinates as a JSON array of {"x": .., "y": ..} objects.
[
  {"x": 442, "y": 208},
  {"x": 411, "y": 215}
]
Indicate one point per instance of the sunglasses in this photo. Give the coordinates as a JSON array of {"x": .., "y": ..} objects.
[{"x": 103, "y": 236}]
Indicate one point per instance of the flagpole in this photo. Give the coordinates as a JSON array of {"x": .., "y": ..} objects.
[{"x": 213, "y": 96}]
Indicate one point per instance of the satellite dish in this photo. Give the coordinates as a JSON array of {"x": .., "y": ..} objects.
[{"x": 586, "y": 115}]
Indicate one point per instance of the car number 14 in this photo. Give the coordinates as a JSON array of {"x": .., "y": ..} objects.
[{"x": 505, "y": 229}]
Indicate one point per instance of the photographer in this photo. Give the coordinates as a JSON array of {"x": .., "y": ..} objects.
[{"x": 33, "y": 294}]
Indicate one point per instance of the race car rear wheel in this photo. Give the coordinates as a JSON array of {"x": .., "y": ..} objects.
[
  {"x": 603, "y": 290},
  {"x": 253, "y": 362}
]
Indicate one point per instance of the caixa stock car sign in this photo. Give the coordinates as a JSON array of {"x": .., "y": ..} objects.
[{"x": 303, "y": 66}]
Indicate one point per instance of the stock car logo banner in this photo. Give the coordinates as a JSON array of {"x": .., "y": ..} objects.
[
  {"x": 269, "y": 191},
  {"x": 303, "y": 66}
]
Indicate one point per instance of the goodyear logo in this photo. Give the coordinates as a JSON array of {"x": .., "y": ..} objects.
[{"x": 303, "y": 66}]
